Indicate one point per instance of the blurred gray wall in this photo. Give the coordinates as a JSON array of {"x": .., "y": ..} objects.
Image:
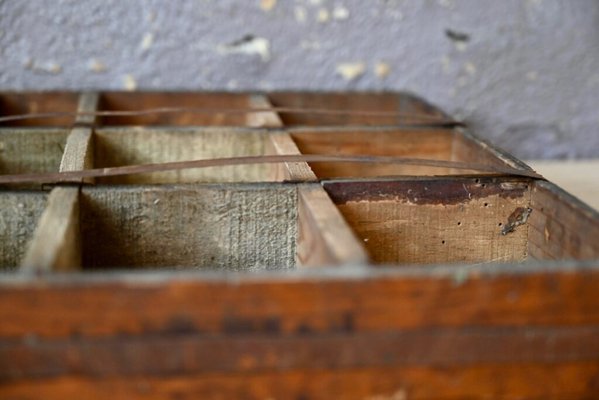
[{"x": 524, "y": 73}]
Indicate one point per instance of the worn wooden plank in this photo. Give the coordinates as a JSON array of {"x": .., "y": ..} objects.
[
  {"x": 555, "y": 381},
  {"x": 320, "y": 300},
  {"x": 324, "y": 236},
  {"x": 234, "y": 227},
  {"x": 435, "y": 220},
  {"x": 55, "y": 245},
  {"x": 19, "y": 212},
  {"x": 136, "y": 145}
]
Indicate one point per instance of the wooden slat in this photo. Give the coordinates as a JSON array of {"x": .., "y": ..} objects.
[
  {"x": 554, "y": 381},
  {"x": 55, "y": 245},
  {"x": 319, "y": 300},
  {"x": 324, "y": 236},
  {"x": 19, "y": 213}
]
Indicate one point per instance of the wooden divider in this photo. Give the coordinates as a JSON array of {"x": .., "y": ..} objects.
[
  {"x": 56, "y": 242},
  {"x": 324, "y": 238}
]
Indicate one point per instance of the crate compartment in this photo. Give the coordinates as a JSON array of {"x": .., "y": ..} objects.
[
  {"x": 119, "y": 101},
  {"x": 31, "y": 150},
  {"x": 19, "y": 214},
  {"x": 429, "y": 221},
  {"x": 242, "y": 228},
  {"x": 34, "y": 103},
  {"x": 425, "y": 143},
  {"x": 408, "y": 109},
  {"x": 128, "y": 146}
]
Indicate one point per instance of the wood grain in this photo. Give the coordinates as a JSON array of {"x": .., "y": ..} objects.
[
  {"x": 555, "y": 381},
  {"x": 48, "y": 102},
  {"x": 19, "y": 212},
  {"x": 232, "y": 227},
  {"x": 434, "y": 221}
]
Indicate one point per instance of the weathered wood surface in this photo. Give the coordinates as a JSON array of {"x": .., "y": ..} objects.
[
  {"x": 556, "y": 381},
  {"x": 426, "y": 221},
  {"x": 231, "y": 227},
  {"x": 127, "y": 146},
  {"x": 19, "y": 212}
]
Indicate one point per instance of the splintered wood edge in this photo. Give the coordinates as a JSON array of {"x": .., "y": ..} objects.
[
  {"x": 324, "y": 237},
  {"x": 55, "y": 245},
  {"x": 56, "y": 242}
]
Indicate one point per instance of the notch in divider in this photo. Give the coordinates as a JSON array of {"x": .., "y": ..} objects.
[{"x": 56, "y": 242}]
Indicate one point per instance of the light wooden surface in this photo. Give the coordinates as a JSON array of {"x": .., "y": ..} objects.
[{"x": 580, "y": 178}]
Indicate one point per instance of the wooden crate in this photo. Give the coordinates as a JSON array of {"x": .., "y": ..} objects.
[{"x": 289, "y": 280}]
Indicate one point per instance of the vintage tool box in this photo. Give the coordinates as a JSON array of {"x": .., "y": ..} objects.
[{"x": 438, "y": 268}]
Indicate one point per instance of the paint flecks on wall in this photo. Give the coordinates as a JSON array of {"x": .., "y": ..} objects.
[
  {"x": 382, "y": 70},
  {"x": 350, "y": 71},
  {"x": 249, "y": 44},
  {"x": 129, "y": 82},
  {"x": 323, "y": 15},
  {"x": 97, "y": 66},
  {"x": 340, "y": 13},
  {"x": 147, "y": 41},
  {"x": 300, "y": 14}
]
